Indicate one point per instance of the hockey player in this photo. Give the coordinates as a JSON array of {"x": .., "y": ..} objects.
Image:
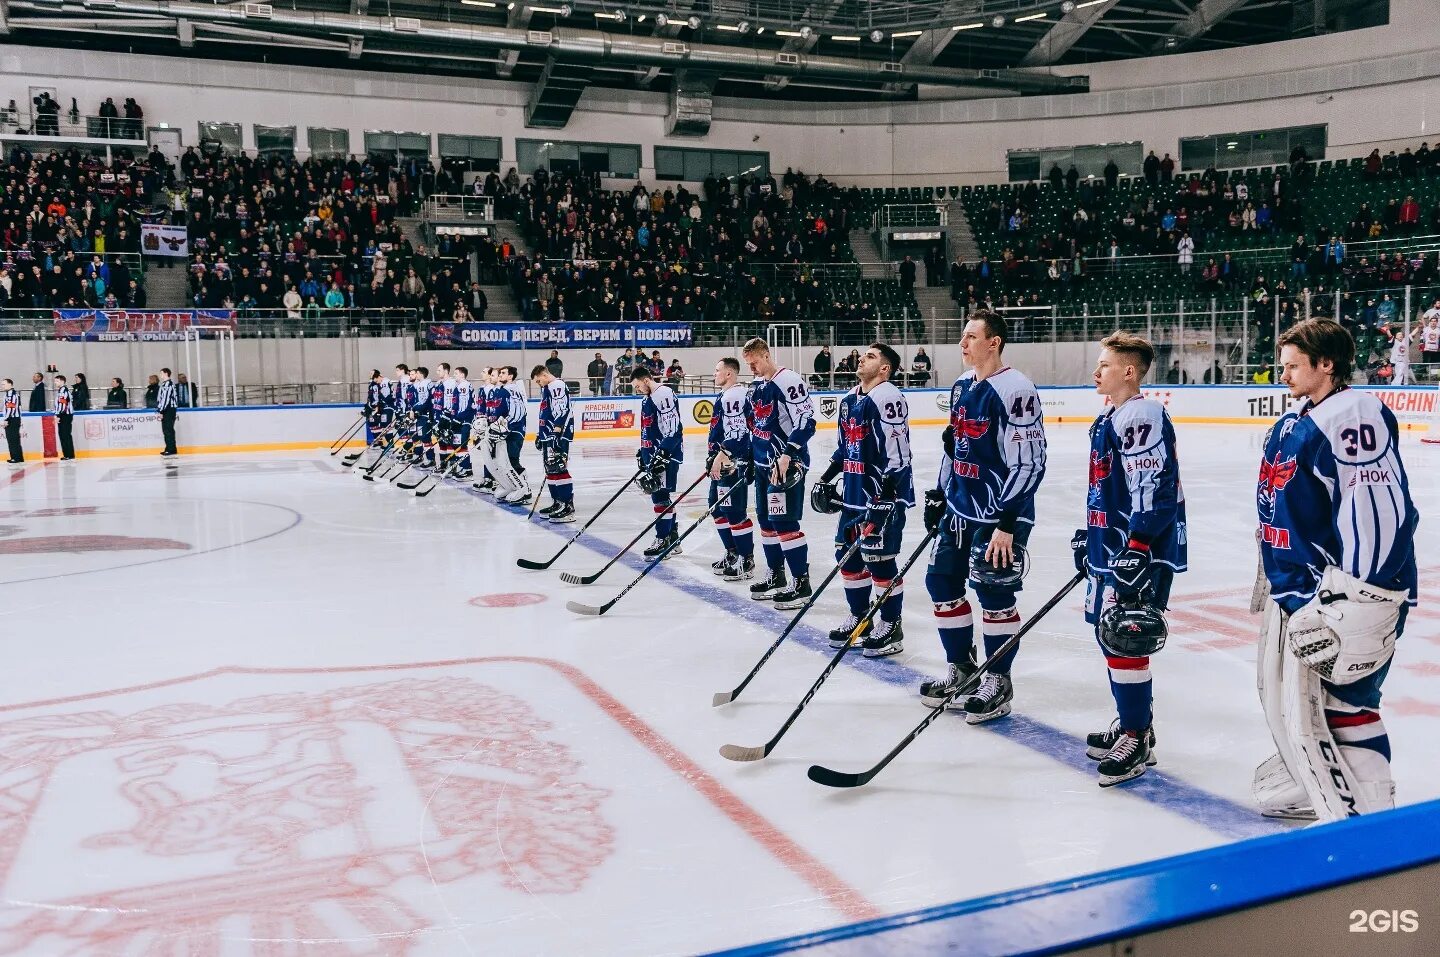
[
  {"x": 1132, "y": 547},
  {"x": 1400, "y": 352},
  {"x": 479, "y": 435},
  {"x": 873, "y": 456},
  {"x": 662, "y": 448},
  {"x": 379, "y": 405},
  {"x": 463, "y": 413},
  {"x": 552, "y": 438},
  {"x": 983, "y": 511},
  {"x": 517, "y": 417},
  {"x": 782, "y": 424},
  {"x": 728, "y": 446},
  {"x": 1337, "y": 528},
  {"x": 420, "y": 407},
  {"x": 442, "y": 396},
  {"x": 501, "y": 438}
]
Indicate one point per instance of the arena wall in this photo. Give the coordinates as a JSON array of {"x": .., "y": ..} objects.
[{"x": 298, "y": 427}]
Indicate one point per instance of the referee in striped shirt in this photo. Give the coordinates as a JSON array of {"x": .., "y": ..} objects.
[{"x": 165, "y": 404}]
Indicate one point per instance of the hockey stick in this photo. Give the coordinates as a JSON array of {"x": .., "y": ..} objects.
[
  {"x": 539, "y": 493},
  {"x": 570, "y": 578},
  {"x": 368, "y": 473},
  {"x": 340, "y": 443},
  {"x": 381, "y": 437},
  {"x": 537, "y": 566},
  {"x": 843, "y": 779},
  {"x": 735, "y": 752},
  {"x": 441, "y": 466},
  {"x": 725, "y": 697},
  {"x": 582, "y": 609},
  {"x": 440, "y": 473}
]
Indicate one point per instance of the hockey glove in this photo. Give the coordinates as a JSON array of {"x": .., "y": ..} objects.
[
  {"x": 499, "y": 431},
  {"x": 1079, "y": 544},
  {"x": 935, "y": 508},
  {"x": 947, "y": 440},
  {"x": 555, "y": 462},
  {"x": 877, "y": 514},
  {"x": 1131, "y": 570}
]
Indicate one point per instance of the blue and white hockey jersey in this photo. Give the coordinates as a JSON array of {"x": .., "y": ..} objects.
[
  {"x": 660, "y": 428},
  {"x": 378, "y": 398},
  {"x": 1135, "y": 490},
  {"x": 556, "y": 422},
  {"x": 873, "y": 447},
  {"x": 1000, "y": 449},
  {"x": 420, "y": 397},
  {"x": 782, "y": 419},
  {"x": 517, "y": 411},
  {"x": 1333, "y": 491},
  {"x": 461, "y": 408},
  {"x": 729, "y": 427}
]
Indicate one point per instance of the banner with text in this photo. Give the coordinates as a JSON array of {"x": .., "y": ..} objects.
[
  {"x": 160, "y": 240},
  {"x": 122, "y": 325},
  {"x": 559, "y": 335}
]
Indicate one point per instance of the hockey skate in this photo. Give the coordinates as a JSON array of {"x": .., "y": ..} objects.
[
  {"x": 773, "y": 585},
  {"x": 1099, "y": 743},
  {"x": 993, "y": 699},
  {"x": 663, "y": 547},
  {"x": 741, "y": 569},
  {"x": 795, "y": 597},
  {"x": 839, "y": 636},
  {"x": 719, "y": 565},
  {"x": 1128, "y": 759},
  {"x": 886, "y": 640},
  {"x": 564, "y": 514},
  {"x": 934, "y": 691}
]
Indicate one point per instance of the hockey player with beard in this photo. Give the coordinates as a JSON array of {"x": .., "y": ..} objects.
[
  {"x": 983, "y": 511},
  {"x": 553, "y": 436},
  {"x": 872, "y": 459},
  {"x": 1337, "y": 540}
]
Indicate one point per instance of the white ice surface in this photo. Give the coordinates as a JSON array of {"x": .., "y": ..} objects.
[{"x": 249, "y": 707}]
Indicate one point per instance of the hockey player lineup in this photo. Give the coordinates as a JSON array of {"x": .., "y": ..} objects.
[{"x": 528, "y": 712}]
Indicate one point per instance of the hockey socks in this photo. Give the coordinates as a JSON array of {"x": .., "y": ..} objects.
[
  {"x": 956, "y": 624},
  {"x": 857, "y": 591},
  {"x": 561, "y": 489},
  {"x": 796, "y": 553},
  {"x": 1131, "y": 686},
  {"x": 664, "y": 526},
  {"x": 744, "y": 540},
  {"x": 770, "y": 544},
  {"x": 998, "y": 627},
  {"x": 722, "y": 528}
]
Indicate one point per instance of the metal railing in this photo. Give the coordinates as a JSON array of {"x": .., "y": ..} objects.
[
  {"x": 458, "y": 207},
  {"x": 899, "y": 215},
  {"x": 17, "y": 124}
]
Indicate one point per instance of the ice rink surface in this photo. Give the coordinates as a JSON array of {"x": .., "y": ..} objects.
[{"x": 253, "y": 705}]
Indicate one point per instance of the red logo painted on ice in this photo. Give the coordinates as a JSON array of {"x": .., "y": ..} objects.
[{"x": 292, "y": 817}]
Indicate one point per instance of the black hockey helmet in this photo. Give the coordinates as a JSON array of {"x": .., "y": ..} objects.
[
  {"x": 825, "y": 498},
  {"x": 986, "y": 574},
  {"x": 793, "y": 476},
  {"x": 1133, "y": 630}
]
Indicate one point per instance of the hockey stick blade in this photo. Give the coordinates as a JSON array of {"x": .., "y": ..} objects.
[
  {"x": 570, "y": 578},
  {"x": 721, "y": 697},
  {"x": 536, "y": 566},
  {"x": 841, "y": 779},
  {"x": 733, "y": 752},
  {"x": 533, "y": 566},
  {"x": 581, "y": 608}
]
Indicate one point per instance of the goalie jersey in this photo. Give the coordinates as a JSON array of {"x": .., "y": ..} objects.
[
  {"x": 782, "y": 419},
  {"x": 1000, "y": 449},
  {"x": 1332, "y": 491},
  {"x": 873, "y": 447},
  {"x": 1135, "y": 490}
]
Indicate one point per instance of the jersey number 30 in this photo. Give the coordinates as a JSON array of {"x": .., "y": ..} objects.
[{"x": 1364, "y": 436}]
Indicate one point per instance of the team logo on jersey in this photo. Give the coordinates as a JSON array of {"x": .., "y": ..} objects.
[
  {"x": 1099, "y": 468},
  {"x": 1274, "y": 476},
  {"x": 854, "y": 432},
  {"x": 763, "y": 411},
  {"x": 966, "y": 430}
]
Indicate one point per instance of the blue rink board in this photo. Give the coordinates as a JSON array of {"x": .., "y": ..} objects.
[{"x": 1129, "y": 901}]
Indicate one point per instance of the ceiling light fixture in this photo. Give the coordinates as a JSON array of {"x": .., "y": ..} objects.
[
  {"x": 1068, "y": 6},
  {"x": 743, "y": 26},
  {"x": 905, "y": 33},
  {"x": 480, "y": 3},
  {"x": 602, "y": 15},
  {"x": 727, "y": 28},
  {"x": 846, "y": 39},
  {"x": 788, "y": 33},
  {"x": 876, "y": 36},
  {"x": 694, "y": 23},
  {"x": 997, "y": 21},
  {"x": 556, "y": 11},
  {"x": 759, "y": 30},
  {"x": 1032, "y": 16},
  {"x": 1088, "y": 3},
  {"x": 661, "y": 20},
  {"x": 805, "y": 32},
  {"x": 967, "y": 26}
]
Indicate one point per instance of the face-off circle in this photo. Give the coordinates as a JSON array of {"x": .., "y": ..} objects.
[{"x": 507, "y": 599}]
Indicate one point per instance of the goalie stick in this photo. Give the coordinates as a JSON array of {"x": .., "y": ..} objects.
[
  {"x": 537, "y": 566},
  {"x": 843, "y": 779},
  {"x": 570, "y": 578},
  {"x": 580, "y": 608},
  {"x": 735, "y": 752},
  {"x": 725, "y": 697}
]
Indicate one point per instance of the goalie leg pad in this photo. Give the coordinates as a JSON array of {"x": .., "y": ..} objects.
[
  {"x": 1340, "y": 781},
  {"x": 1348, "y": 630},
  {"x": 1277, "y": 781}
]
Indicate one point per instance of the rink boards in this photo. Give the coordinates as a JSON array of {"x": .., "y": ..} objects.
[{"x": 298, "y": 427}]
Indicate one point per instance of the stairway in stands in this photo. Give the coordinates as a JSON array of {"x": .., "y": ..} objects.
[
  {"x": 167, "y": 288},
  {"x": 963, "y": 246}
]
